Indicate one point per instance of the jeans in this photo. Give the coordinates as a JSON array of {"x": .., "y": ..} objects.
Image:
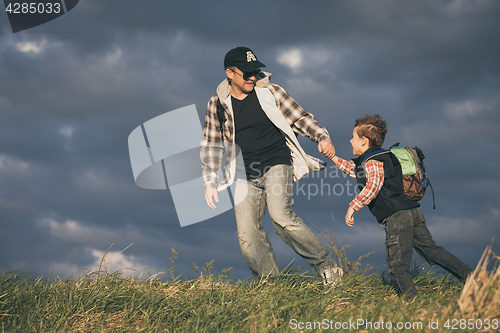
[
  {"x": 406, "y": 230},
  {"x": 274, "y": 189}
]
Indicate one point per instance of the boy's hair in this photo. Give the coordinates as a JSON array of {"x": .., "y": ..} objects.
[{"x": 372, "y": 127}]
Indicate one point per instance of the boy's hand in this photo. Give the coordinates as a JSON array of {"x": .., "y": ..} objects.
[
  {"x": 349, "y": 217},
  {"x": 326, "y": 147}
]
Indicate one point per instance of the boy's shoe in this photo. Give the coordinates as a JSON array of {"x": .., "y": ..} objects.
[
  {"x": 409, "y": 299},
  {"x": 331, "y": 277}
]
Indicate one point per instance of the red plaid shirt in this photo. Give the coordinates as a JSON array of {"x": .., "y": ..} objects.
[{"x": 374, "y": 181}]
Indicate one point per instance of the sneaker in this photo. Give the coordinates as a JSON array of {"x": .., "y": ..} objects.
[{"x": 331, "y": 277}]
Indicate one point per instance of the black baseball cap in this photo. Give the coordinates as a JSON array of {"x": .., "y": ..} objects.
[{"x": 243, "y": 58}]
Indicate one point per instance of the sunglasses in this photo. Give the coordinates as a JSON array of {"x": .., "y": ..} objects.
[{"x": 247, "y": 75}]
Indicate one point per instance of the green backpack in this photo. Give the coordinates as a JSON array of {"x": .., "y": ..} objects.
[{"x": 415, "y": 180}]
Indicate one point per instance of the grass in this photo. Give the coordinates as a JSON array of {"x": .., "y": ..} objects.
[{"x": 294, "y": 301}]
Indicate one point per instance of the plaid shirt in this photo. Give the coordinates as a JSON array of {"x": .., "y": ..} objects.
[
  {"x": 374, "y": 181},
  {"x": 212, "y": 144}
]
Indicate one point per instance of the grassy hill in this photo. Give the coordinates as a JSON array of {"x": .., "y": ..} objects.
[{"x": 293, "y": 302}]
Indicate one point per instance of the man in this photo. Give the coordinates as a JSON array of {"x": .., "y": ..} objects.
[{"x": 248, "y": 114}]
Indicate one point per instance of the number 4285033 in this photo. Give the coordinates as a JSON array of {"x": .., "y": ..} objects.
[
  {"x": 472, "y": 324},
  {"x": 32, "y": 8}
]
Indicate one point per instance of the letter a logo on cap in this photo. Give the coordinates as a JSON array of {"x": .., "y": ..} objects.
[{"x": 250, "y": 57}]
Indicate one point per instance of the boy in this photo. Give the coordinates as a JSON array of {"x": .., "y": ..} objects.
[{"x": 382, "y": 190}]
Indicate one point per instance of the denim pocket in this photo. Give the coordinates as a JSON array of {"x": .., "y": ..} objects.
[{"x": 393, "y": 249}]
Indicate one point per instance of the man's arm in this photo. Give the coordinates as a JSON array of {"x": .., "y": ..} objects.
[
  {"x": 302, "y": 122},
  {"x": 211, "y": 152}
]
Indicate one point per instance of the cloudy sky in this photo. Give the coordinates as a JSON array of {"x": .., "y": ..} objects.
[{"x": 73, "y": 89}]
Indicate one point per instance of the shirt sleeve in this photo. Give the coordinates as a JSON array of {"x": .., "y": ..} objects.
[
  {"x": 347, "y": 167},
  {"x": 301, "y": 121},
  {"x": 374, "y": 182},
  {"x": 211, "y": 146}
]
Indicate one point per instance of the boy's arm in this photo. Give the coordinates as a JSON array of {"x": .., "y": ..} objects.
[
  {"x": 374, "y": 181},
  {"x": 347, "y": 167}
]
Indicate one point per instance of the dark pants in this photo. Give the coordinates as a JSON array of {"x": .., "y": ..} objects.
[{"x": 406, "y": 230}]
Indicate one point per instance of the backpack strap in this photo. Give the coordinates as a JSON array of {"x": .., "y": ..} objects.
[
  {"x": 432, "y": 190},
  {"x": 221, "y": 116},
  {"x": 370, "y": 155},
  {"x": 373, "y": 154},
  {"x": 421, "y": 156}
]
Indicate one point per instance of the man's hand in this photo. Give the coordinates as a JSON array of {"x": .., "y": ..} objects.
[
  {"x": 349, "y": 217},
  {"x": 211, "y": 194},
  {"x": 326, "y": 147}
]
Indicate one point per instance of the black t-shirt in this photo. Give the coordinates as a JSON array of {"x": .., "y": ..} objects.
[{"x": 261, "y": 142}]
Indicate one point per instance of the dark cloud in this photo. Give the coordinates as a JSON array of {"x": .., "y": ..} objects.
[{"x": 72, "y": 90}]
